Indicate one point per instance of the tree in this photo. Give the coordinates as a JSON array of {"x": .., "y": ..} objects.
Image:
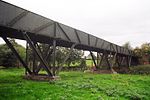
[
  {"x": 7, "y": 58},
  {"x": 138, "y": 51},
  {"x": 61, "y": 53},
  {"x": 145, "y": 48},
  {"x": 74, "y": 57},
  {"x": 127, "y": 45},
  {"x": 143, "y": 52}
]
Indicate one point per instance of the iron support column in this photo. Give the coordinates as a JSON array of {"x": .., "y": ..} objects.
[
  {"x": 37, "y": 53},
  {"x": 54, "y": 56},
  {"x": 93, "y": 59}
]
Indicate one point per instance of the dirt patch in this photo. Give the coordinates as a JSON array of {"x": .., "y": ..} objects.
[
  {"x": 115, "y": 70},
  {"x": 103, "y": 72},
  {"x": 122, "y": 70},
  {"x": 41, "y": 77},
  {"x": 99, "y": 71}
]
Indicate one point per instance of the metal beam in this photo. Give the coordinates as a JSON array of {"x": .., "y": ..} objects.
[
  {"x": 130, "y": 59},
  {"x": 93, "y": 59},
  {"x": 6, "y": 28},
  {"x": 114, "y": 60},
  {"x": 55, "y": 30},
  {"x": 96, "y": 41},
  {"x": 39, "y": 49},
  {"x": 106, "y": 58},
  {"x": 26, "y": 60},
  {"x": 71, "y": 49},
  {"x": 16, "y": 54},
  {"x": 49, "y": 52},
  {"x": 37, "y": 53},
  {"x": 118, "y": 61},
  {"x": 100, "y": 63},
  {"x": 98, "y": 59},
  {"x": 88, "y": 39},
  {"x": 17, "y": 18},
  {"x": 67, "y": 57},
  {"x": 122, "y": 60},
  {"x": 77, "y": 36},
  {"x": 54, "y": 56},
  {"x": 34, "y": 59},
  {"x": 42, "y": 27},
  {"x": 113, "y": 47},
  {"x": 102, "y": 44},
  {"x": 63, "y": 32},
  {"x": 116, "y": 48}
]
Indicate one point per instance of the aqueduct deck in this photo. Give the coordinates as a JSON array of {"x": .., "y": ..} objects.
[{"x": 19, "y": 23}]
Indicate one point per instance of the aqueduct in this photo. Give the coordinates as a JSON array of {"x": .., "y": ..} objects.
[{"x": 19, "y": 23}]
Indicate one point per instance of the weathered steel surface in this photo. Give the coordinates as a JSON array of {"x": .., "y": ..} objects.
[{"x": 14, "y": 20}]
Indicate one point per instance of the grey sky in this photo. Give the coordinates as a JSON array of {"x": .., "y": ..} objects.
[{"x": 117, "y": 21}]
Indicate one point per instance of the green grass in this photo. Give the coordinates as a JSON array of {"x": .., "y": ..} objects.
[
  {"x": 89, "y": 63},
  {"x": 140, "y": 69},
  {"x": 74, "y": 86}
]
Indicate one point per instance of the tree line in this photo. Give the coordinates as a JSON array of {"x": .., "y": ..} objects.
[
  {"x": 8, "y": 59},
  {"x": 143, "y": 52}
]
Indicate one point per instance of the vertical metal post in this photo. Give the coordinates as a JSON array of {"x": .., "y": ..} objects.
[
  {"x": 98, "y": 59},
  {"x": 38, "y": 55},
  {"x": 122, "y": 61},
  {"x": 26, "y": 56},
  {"x": 106, "y": 58},
  {"x": 34, "y": 59},
  {"x": 129, "y": 61},
  {"x": 118, "y": 61},
  {"x": 114, "y": 60},
  {"x": 102, "y": 57},
  {"x": 49, "y": 52},
  {"x": 54, "y": 56}
]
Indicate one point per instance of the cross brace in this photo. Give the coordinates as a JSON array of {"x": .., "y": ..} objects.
[
  {"x": 67, "y": 57},
  {"x": 37, "y": 53},
  {"x": 92, "y": 55}
]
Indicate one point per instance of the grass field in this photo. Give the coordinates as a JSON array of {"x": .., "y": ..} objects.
[{"x": 74, "y": 86}]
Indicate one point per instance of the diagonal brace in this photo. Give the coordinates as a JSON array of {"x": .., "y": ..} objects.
[
  {"x": 67, "y": 57},
  {"x": 93, "y": 59},
  {"x": 37, "y": 53},
  {"x": 49, "y": 52}
]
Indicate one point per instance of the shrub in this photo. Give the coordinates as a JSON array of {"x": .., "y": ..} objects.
[{"x": 141, "y": 69}]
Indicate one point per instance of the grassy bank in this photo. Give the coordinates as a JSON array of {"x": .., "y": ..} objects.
[{"x": 74, "y": 86}]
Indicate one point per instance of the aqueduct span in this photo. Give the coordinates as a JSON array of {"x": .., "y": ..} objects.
[{"x": 19, "y": 23}]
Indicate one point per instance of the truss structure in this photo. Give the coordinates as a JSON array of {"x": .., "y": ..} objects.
[{"x": 19, "y": 23}]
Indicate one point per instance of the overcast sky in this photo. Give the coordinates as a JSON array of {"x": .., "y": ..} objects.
[{"x": 117, "y": 21}]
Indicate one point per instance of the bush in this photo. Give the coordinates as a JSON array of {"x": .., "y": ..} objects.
[
  {"x": 141, "y": 69},
  {"x": 83, "y": 63},
  {"x": 7, "y": 58}
]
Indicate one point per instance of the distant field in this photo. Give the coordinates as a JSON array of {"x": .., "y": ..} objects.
[
  {"x": 89, "y": 62},
  {"x": 74, "y": 86}
]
